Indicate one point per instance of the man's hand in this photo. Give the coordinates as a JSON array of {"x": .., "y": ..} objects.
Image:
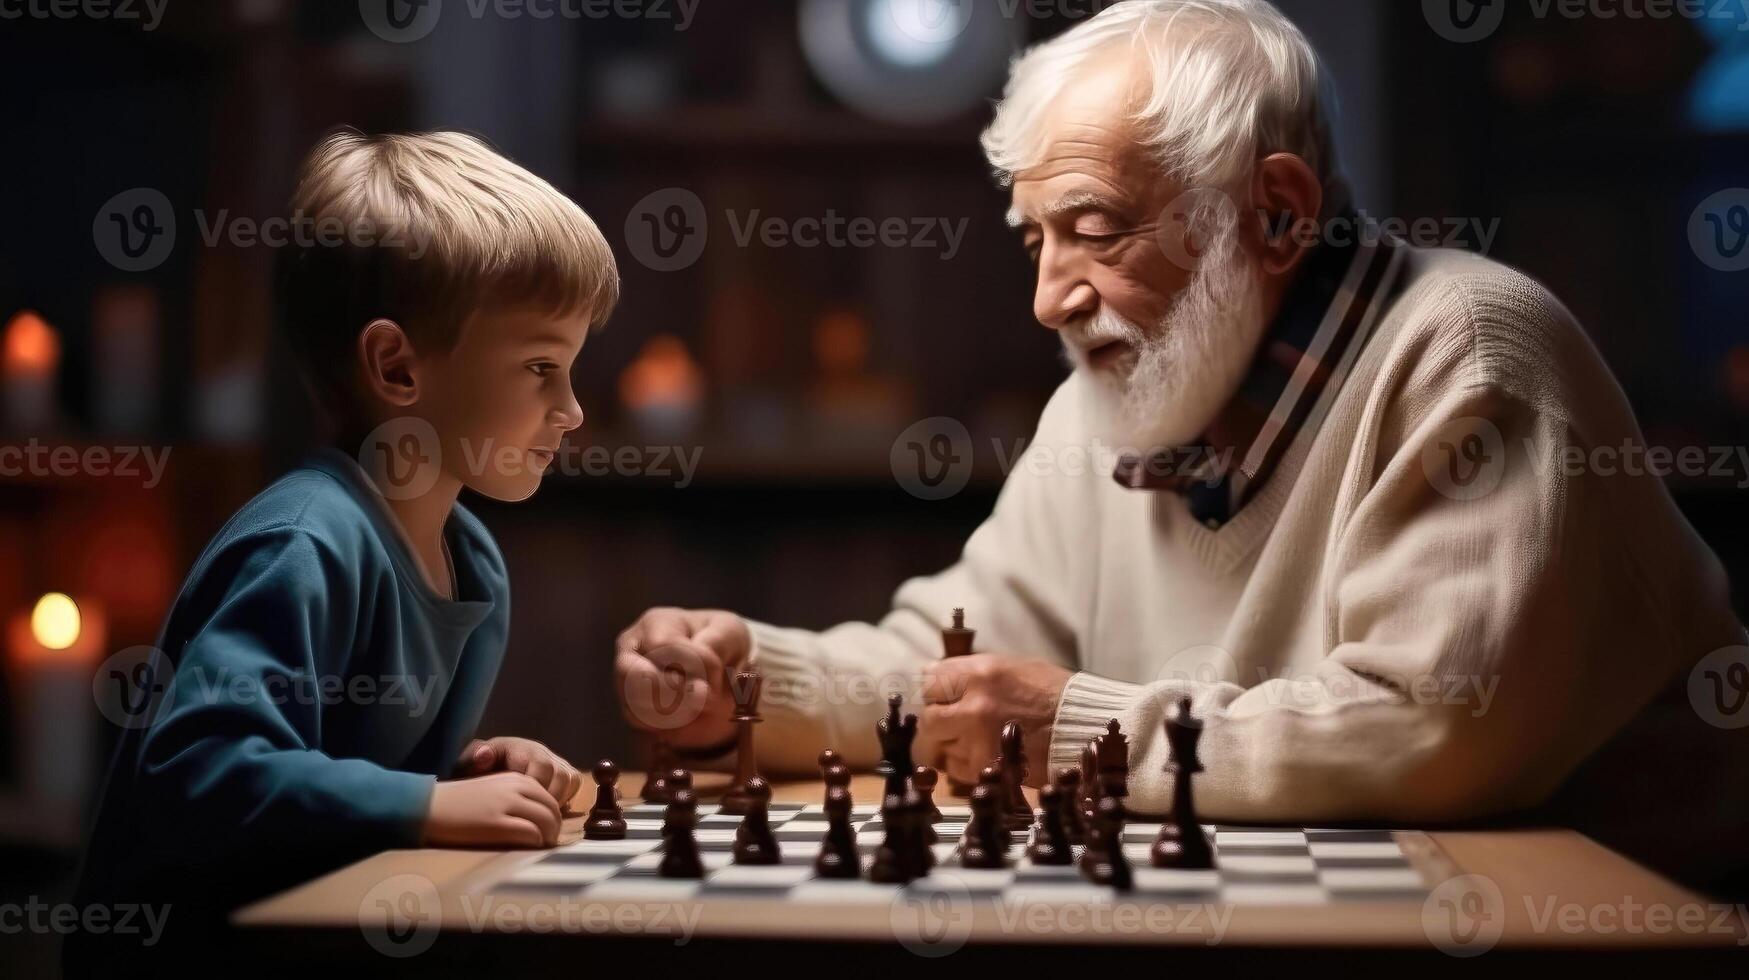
[
  {"x": 967, "y": 700},
  {"x": 670, "y": 669},
  {"x": 506, "y": 809},
  {"x": 559, "y": 778}
]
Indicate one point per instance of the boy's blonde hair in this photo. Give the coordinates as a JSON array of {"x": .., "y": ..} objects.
[{"x": 427, "y": 229}]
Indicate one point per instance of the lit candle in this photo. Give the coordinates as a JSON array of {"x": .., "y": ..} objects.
[
  {"x": 55, "y": 647},
  {"x": 29, "y": 363}
]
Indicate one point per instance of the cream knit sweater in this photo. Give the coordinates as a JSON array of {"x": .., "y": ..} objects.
[{"x": 1434, "y": 610}]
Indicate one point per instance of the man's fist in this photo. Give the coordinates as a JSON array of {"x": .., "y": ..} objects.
[
  {"x": 967, "y": 700},
  {"x": 670, "y": 667},
  {"x": 506, "y": 809},
  {"x": 559, "y": 778}
]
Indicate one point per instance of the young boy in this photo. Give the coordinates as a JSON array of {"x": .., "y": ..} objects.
[{"x": 334, "y": 645}]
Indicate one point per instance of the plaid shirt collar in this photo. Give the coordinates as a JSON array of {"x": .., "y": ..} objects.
[{"x": 1324, "y": 321}]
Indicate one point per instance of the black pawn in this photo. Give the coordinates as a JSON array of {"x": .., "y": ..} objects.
[
  {"x": 1069, "y": 796},
  {"x": 680, "y": 857},
  {"x": 982, "y": 847},
  {"x": 606, "y": 820},
  {"x": 828, "y": 759},
  {"x": 990, "y": 777},
  {"x": 838, "y": 856},
  {"x": 923, "y": 780},
  {"x": 892, "y": 860},
  {"x": 1011, "y": 763},
  {"x": 1050, "y": 843},
  {"x": 755, "y": 843},
  {"x": 1109, "y": 865}
]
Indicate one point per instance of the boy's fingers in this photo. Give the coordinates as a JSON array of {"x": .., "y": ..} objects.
[
  {"x": 540, "y": 814},
  {"x": 519, "y": 832}
]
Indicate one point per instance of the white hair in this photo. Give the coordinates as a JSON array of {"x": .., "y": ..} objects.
[{"x": 1228, "y": 81}]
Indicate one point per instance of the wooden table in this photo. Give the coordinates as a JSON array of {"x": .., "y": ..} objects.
[{"x": 1557, "y": 891}]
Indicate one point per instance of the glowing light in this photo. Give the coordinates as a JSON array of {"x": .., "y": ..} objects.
[
  {"x": 55, "y": 621},
  {"x": 913, "y": 33},
  {"x": 31, "y": 345}
]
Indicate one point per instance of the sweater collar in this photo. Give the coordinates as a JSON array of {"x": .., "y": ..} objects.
[{"x": 1325, "y": 318}]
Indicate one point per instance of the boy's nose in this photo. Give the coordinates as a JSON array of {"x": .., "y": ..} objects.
[{"x": 569, "y": 416}]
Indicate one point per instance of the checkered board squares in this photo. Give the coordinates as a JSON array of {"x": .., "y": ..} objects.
[{"x": 1256, "y": 865}]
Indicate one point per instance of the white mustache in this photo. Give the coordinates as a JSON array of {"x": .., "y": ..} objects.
[{"x": 1106, "y": 327}]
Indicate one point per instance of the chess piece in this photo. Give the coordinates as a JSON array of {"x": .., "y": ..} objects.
[
  {"x": 755, "y": 843},
  {"x": 956, "y": 641},
  {"x": 919, "y": 835},
  {"x": 836, "y": 776},
  {"x": 1112, "y": 752},
  {"x": 1012, "y": 764},
  {"x": 679, "y": 779},
  {"x": 896, "y": 736},
  {"x": 680, "y": 858},
  {"x": 1069, "y": 795},
  {"x": 1089, "y": 786},
  {"x": 894, "y": 862},
  {"x": 1181, "y": 842},
  {"x": 838, "y": 857},
  {"x": 744, "y": 686},
  {"x": 828, "y": 759},
  {"x": 990, "y": 777},
  {"x": 923, "y": 779},
  {"x": 982, "y": 847},
  {"x": 1050, "y": 843},
  {"x": 606, "y": 820},
  {"x": 655, "y": 777},
  {"x": 1113, "y": 865}
]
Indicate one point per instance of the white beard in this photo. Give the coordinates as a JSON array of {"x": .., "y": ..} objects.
[{"x": 1178, "y": 376}]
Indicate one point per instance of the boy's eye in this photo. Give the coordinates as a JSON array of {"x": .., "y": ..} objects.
[{"x": 543, "y": 368}]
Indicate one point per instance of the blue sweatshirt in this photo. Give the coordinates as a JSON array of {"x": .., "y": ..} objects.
[{"x": 320, "y": 689}]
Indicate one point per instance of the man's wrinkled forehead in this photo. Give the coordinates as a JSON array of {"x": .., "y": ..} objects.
[
  {"x": 1084, "y": 165},
  {"x": 1089, "y": 144}
]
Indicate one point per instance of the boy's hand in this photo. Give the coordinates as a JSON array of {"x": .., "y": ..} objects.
[
  {"x": 670, "y": 668},
  {"x": 506, "y": 809},
  {"x": 559, "y": 778}
]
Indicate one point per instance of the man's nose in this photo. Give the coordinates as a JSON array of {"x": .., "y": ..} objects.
[{"x": 1063, "y": 295}]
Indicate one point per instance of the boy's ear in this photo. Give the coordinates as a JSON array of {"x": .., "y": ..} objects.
[{"x": 386, "y": 357}]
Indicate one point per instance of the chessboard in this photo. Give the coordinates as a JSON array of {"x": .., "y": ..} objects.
[{"x": 1255, "y": 866}]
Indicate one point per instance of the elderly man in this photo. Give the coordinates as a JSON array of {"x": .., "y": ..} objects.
[{"x": 1358, "y": 534}]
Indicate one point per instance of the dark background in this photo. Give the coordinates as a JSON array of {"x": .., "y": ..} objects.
[{"x": 1591, "y": 141}]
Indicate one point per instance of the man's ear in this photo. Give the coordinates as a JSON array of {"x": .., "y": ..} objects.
[
  {"x": 1288, "y": 197},
  {"x": 386, "y": 359}
]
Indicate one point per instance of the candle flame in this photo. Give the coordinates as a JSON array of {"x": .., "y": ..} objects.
[
  {"x": 55, "y": 621},
  {"x": 31, "y": 345}
]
